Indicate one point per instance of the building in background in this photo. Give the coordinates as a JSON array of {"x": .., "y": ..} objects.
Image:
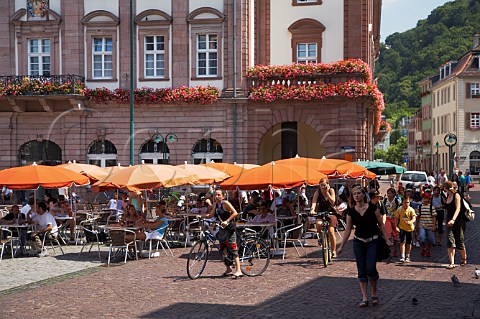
[{"x": 52, "y": 49}]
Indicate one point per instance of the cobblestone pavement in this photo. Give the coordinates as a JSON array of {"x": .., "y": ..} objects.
[{"x": 64, "y": 286}]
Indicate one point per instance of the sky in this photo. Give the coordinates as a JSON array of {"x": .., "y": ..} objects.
[{"x": 402, "y": 15}]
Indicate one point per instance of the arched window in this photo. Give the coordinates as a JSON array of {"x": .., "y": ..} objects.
[
  {"x": 306, "y": 41},
  {"x": 42, "y": 152},
  {"x": 475, "y": 162},
  {"x": 102, "y": 153},
  {"x": 154, "y": 152},
  {"x": 206, "y": 150}
]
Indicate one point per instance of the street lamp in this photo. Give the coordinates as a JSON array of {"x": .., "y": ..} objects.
[
  {"x": 159, "y": 138},
  {"x": 450, "y": 140},
  {"x": 437, "y": 145},
  {"x": 132, "y": 93}
]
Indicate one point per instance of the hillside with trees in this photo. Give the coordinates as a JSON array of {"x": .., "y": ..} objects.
[{"x": 410, "y": 56}]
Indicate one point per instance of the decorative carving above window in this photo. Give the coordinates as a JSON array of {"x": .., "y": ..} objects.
[{"x": 37, "y": 9}]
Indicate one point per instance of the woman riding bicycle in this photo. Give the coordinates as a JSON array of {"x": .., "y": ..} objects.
[
  {"x": 324, "y": 201},
  {"x": 226, "y": 214}
]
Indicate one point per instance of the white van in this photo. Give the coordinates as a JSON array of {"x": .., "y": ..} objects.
[{"x": 417, "y": 178}]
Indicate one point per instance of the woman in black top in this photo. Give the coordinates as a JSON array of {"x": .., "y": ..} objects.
[
  {"x": 367, "y": 220},
  {"x": 456, "y": 225},
  {"x": 227, "y": 237}
]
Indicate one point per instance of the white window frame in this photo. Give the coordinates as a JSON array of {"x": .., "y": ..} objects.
[
  {"x": 207, "y": 157},
  {"x": 103, "y": 158},
  {"x": 103, "y": 53},
  {"x": 307, "y": 58},
  {"x": 208, "y": 52},
  {"x": 158, "y": 72},
  {"x": 474, "y": 89},
  {"x": 475, "y": 121},
  {"x": 41, "y": 54}
]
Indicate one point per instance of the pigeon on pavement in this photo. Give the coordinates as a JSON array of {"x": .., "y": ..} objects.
[{"x": 455, "y": 281}]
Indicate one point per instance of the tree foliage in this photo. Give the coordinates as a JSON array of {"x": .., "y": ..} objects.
[
  {"x": 395, "y": 152},
  {"x": 410, "y": 56}
]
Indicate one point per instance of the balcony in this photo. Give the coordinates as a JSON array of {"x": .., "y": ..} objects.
[{"x": 55, "y": 93}]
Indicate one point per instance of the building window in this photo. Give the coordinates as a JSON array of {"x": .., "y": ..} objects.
[
  {"x": 155, "y": 152},
  {"x": 102, "y": 58},
  {"x": 475, "y": 89},
  {"x": 306, "y": 40},
  {"x": 102, "y": 153},
  {"x": 39, "y": 57},
  {"x": 154, "y": 56},
  {"x": 40, "y": 151},
  {"x": 207, "y": 150},
  {"x": 475, "y": 121},
  {"x": 207, "y": 55},
  {"x": 306, "y": 53}
]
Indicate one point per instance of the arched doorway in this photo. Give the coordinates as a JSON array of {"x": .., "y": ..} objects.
[
  {"x": 42, "y": 152},
  {"x": 154, "y": 152},
  {"x": 288, "y": 139},
  {"x": 207, "y": 150},
  {"x": 102, "y": 153},
  {"x": 475, "y": 162}
]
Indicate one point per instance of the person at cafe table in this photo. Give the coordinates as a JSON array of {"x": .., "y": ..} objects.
[
  {"x": 264, "y": 217},
  {"x": 66, "y": 209},
  {"x": 46, "y": 223},
  {"x": 153, "y": 230}
]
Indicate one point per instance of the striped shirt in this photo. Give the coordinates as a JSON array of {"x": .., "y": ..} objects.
[{"x": 426, "y": 218}]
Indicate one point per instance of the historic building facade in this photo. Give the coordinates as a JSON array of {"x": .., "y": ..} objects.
[{"x": 65, "y": 71}]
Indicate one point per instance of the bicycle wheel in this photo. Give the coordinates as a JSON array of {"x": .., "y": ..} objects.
[
  {"x": 326, "y": 250},
  {"x": 197, "y": 259},
  {"x": 254, "y": 255}
]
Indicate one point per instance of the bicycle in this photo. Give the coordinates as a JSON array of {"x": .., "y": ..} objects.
[
  {"x": 325, "y": 238},
  {"x": 253, "y": 251}
]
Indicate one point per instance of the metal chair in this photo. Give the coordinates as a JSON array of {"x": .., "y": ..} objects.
[
  {"x": 51, "y": 240},
  {"x": 91, "y": 233},
  {"x": 119, "y": 242},
  {"x": 8, "y": 240},
  {"x": 162, "y": 242},
  {"x": 289, "y": 235}
]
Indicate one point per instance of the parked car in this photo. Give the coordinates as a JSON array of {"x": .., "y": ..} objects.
[{"x": 413, "y": 179}]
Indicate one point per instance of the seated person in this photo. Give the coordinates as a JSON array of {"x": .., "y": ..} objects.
[
  {"x": 277, "y": 202},
  {"x": 250, "y": 210},
  {"x": 265, "y": 216},
  {"x": 27, "y": 207},
  {"x": 286, "y": 210},
  {"x": 13, "y": 216},
  {"x": 154, "y": 230},
  {"x": 112, "y": 203},
  {"x": 199, "y": 207},
  {"x": 124, "y": 202},
  {"x": 66, "y": 209},
  {"x": 54, "y": 207},
  {"x": 6, "y": 195},
  {"x": 131, "y": 217},
  {"x": 46, "y": 223}
]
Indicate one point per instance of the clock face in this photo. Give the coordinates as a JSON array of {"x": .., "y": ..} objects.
[{"x": 450, "y": 139}]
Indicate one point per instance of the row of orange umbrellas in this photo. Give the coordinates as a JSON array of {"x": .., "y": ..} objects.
[{"x": 286, "y": 173}]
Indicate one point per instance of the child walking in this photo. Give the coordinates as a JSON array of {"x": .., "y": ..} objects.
[
  {"x": 427, "y": 224},
  {"x": 405, "y": 219}
]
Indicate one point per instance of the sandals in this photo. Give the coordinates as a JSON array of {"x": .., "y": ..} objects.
[
  {"x": 227, "y": 274},
  {"x": 375, "y": 301},
  {"x": 450, "y": 266},
  {"x": 363, "y": 304},
  {"x": 237, "y": 276},
  {"x": 463, "y": 263}
]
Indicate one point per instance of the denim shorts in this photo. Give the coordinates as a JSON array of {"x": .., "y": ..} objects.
[{"x": 426, "y": 235}]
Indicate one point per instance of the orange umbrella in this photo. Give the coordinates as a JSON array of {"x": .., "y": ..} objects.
[
  {"x": 146, "y": 176},
  {"x": 274, "y": 175},
  {"x": 206, "y": 175},
  {"x": 93, "y": 172},
  {"x": 334, "y": 168},
  {"x": 247, "y": 166},
  {"x": 227, "y": 168},
  {"x": 32, "y": 176}
]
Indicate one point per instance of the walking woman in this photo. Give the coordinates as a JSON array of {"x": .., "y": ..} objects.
[
  {"x": 226, "y": 214},
  {"x": 367, "y": 221},
  {"x": 456, "y": 225}
]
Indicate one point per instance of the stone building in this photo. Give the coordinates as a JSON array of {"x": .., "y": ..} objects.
[{"x": 51, "y": 49}]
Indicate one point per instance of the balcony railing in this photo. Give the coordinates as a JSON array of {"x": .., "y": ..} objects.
[
  {"x": 25, "y": 85},
  {"x": 305, "y": 80}
]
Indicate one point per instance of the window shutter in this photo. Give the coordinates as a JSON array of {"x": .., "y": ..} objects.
[
  {"x": 469, "y": 90},
  {"x": 467, "y": 120}
]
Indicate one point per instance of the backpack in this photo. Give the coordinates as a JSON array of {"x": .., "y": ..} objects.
[
  {"x": 396, "y": 200},
  {"x": 467, "y": 210},
  {"x": 420, "y": 210}
]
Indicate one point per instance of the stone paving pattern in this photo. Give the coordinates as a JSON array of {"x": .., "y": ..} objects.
[{"x": 65, "y": 286}]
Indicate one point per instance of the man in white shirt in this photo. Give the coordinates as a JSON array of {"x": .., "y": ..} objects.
[
  {"x": 265, "y": 217},
  {"x": 46, "y": 223}
]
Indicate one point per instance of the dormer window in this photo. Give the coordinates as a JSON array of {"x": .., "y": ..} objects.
[{"x": 476, "y": 62}]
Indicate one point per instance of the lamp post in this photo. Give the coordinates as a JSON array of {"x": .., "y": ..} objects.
[
  {"x": 132, "y": 94},
  {"x": 159, "y": 138},
  {"x": 450, "y": 140},
  {"x": 437, "y": 145}
]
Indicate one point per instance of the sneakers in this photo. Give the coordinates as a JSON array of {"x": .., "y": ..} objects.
[
  {"x": 43, "y": 254},
  {"x": 424, "y": 252},
  {"x": 429, "y": 254},
  {"x": 402, "y": 260},
  {"x": 407, "y": 260},
  {"x": 395, "y": 254}
]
